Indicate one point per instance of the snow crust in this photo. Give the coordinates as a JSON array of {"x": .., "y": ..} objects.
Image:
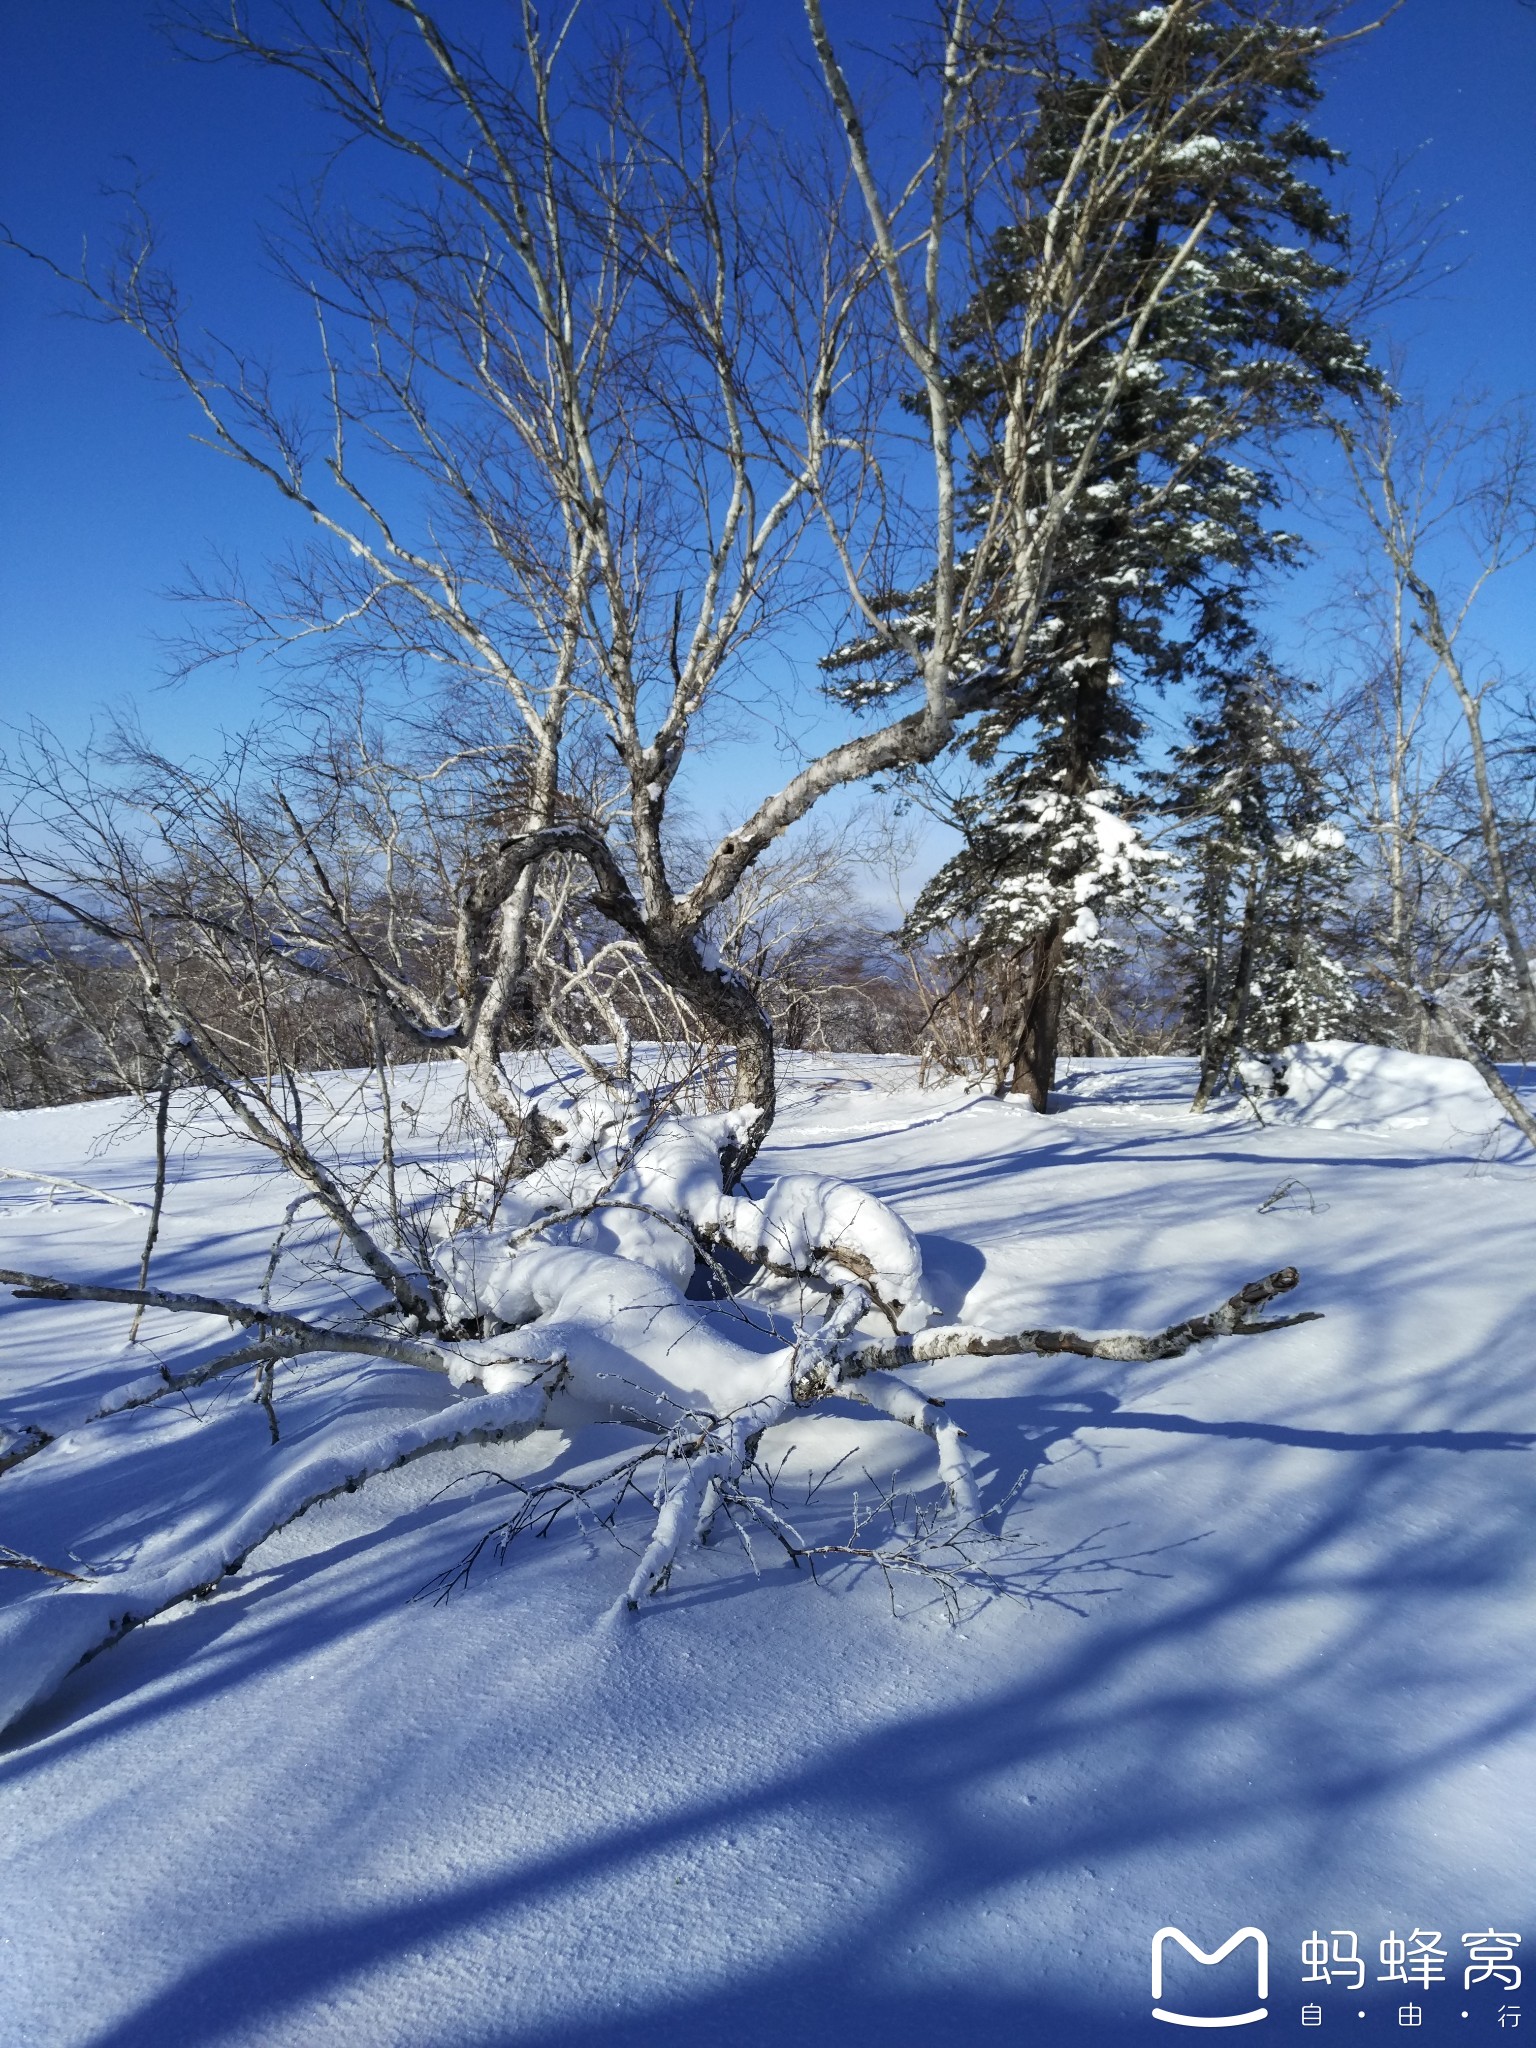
[{"x": 310, "y": 1811}]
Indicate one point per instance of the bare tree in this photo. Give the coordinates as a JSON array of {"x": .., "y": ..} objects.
[
  {"x": 617, "y": 396},
  {"x": 645, "y": 372},
  {"x": 1450, "y": 505}
]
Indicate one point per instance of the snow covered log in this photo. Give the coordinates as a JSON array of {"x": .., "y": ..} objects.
[{"x": 651, "y": 1189}]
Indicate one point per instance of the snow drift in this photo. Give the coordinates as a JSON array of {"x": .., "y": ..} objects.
[{"x": 1335, "y": 1084}]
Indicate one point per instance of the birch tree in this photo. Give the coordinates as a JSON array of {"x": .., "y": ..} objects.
[
  {"x": 1450, "y": 506},
  {"x": 616, "y": 393},
  {"x": 622, "y": 397}
]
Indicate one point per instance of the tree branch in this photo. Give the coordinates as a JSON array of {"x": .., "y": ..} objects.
[
  {"x": 1234, "y": 1318},
  {"x": 292, "y": 1330}
]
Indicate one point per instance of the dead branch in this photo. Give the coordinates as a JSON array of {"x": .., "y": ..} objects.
[
  {"x": 74, "y": 1187},
  {"x": 1234, "y": 1318},
  {"x": 966, "y": 1566},
  {"x": 18, "y": 1561},
  {"x": 45, "y": 1638},
  {"x": 293, "y": 1331},
  {"x": 17, "y": 1444},
  {"x": 1517, "y": 1111},
  {"x": 162, "y": 1119},
  {"x": 142, "y": 1393}
]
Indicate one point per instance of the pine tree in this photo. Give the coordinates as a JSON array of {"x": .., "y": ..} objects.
[
  {"x": 1173, "y": 525},
  {"x": 1033, "y": 861},
  {"x": 1269, "y": 871},
  {"x": 1485, "y": 999}
]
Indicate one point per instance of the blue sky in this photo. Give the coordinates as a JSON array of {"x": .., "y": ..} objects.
[{"x": 107, "y": 498}]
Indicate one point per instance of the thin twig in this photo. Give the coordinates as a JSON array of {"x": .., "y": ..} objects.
[
  {"x": 75, "y": 1187},
  {"x": 162, "y": 1118},
  {"x": 18, "y": 1561}
]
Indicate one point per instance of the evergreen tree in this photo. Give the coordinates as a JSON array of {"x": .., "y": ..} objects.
[
  {"x": 1172, "y": 527},
  {"x": 1270, "y": 874},
  {"x": 1485, "y": 999},
  {"x": 1034, "y": 860}
]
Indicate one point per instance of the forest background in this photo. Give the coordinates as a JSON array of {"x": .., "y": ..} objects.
[{"x": 1373, "y": 928}]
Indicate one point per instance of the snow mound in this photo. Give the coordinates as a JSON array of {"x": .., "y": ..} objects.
[
  {"x": 1335, "y": 1084},
  {"x": 625, "y": 1189}
]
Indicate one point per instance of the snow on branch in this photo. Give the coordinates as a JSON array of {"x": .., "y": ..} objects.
[
  {"x": 709, "y": 1463},
  {"x": 580, "y": 1293},
  {"x": 74, "y": 1187},
  {"x": 19, "y": 1441},
  {"x": 44, "y": 1637}
]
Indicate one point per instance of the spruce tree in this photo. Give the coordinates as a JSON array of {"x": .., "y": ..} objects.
[
  {"x": 1269, "y": 871},
  {"x": 1173, "y": 527}
]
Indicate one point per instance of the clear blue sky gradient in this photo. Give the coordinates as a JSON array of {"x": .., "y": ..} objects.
[{"x": 106, "y": 497}]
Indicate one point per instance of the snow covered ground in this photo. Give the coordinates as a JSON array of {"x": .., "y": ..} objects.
[{"x": 1302, "y": 1696}]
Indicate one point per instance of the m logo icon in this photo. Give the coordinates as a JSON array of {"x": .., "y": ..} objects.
[{"x": 1219, "y": 1955}]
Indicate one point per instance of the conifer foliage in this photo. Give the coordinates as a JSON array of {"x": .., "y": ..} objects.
[
  {"x": 1154, "y": 562},
  {"x": 1269, "y": 873}
]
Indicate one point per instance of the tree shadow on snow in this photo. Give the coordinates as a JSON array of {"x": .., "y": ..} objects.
[
  {"x": 951, "y": 1268},
  {"x": 979, "y": 1806}
]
